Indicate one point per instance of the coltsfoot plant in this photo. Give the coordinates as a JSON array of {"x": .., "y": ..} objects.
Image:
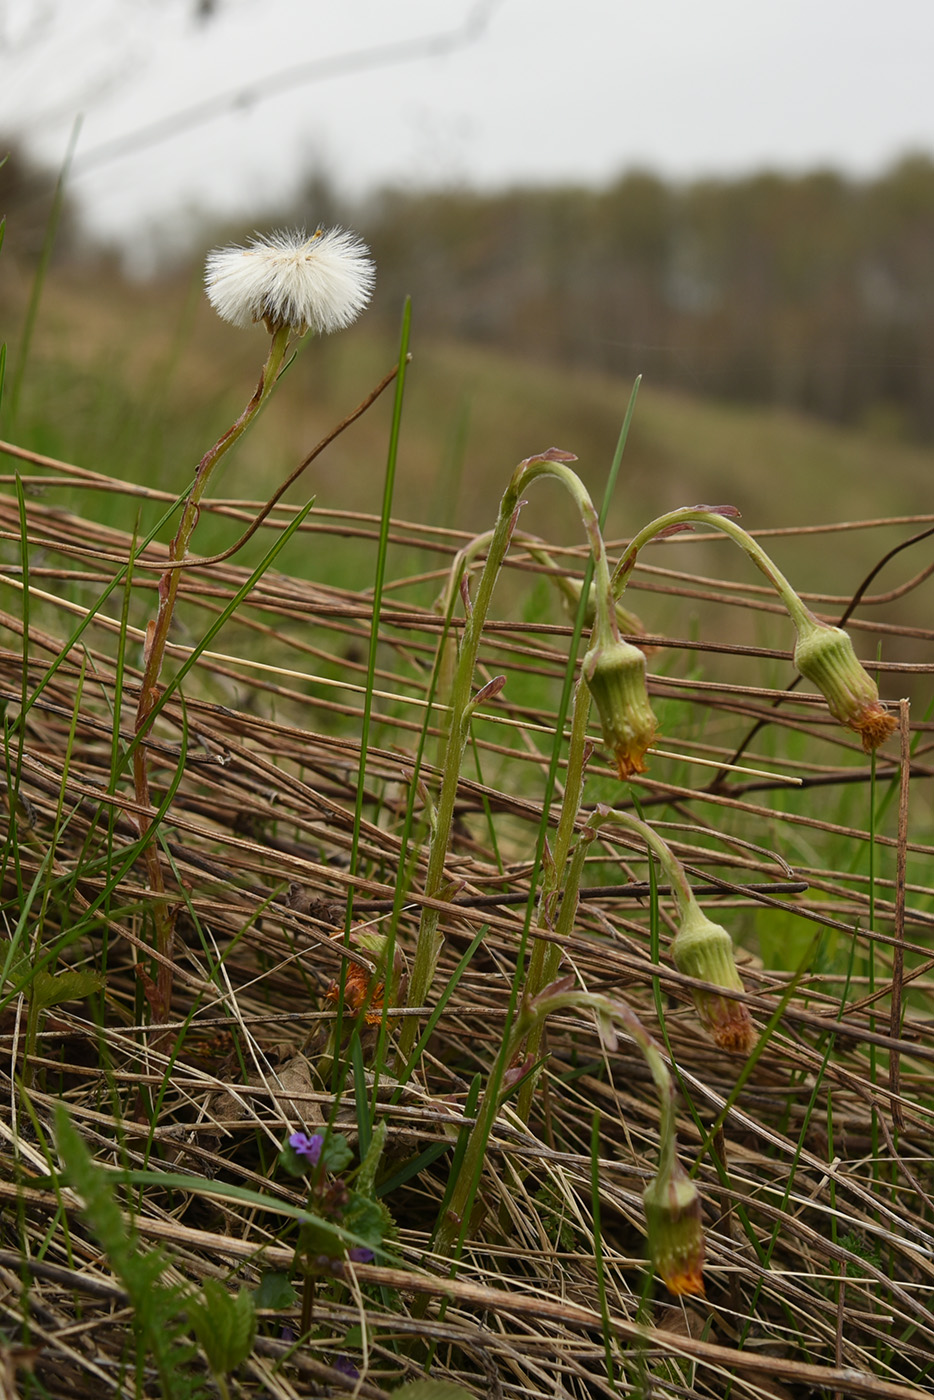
[
  {"x": 613, "y": 673},
  {"x": 293, "y": 283}
]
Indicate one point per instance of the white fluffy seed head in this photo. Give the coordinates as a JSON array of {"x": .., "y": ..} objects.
[{"x": 321, "y": 282}]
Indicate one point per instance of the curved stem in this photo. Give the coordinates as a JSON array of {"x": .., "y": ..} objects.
[
  {"x": 453, "y": 1225},
  {"x": 603, "y": 599},
  {"x": 670, "y": 863},
  {"x": 800, "y": 615}
]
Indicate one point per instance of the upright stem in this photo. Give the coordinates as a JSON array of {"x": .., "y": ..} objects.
[
  {"x": 546, "y": 955},
  {"x": 157, "y": 634},
  {"x": 453, "y": 1224},
  {"x": 457, "y": 724}
]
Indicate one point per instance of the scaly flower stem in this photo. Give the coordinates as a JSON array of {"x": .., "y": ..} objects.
[
  {"x": 701, "y": 948},
  {"x": 626, "y": 621},
  {"x": 156, "y": 638},
  {"x": 457, "y": 725},
  {"x": 552, "y": 463},
  {"x": 446, "y": 665},
  {"x": 546, "y": 954},
  {"x": 606, "y": 616},
  {"x": 674, "y": 870},
  {"x": 823, "y": 654},
  {"x": 800, "y": 615},
  {"x": 560, "y": 997}
]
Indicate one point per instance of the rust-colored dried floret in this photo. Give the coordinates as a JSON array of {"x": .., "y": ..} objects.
[
  {"x": 358, "y": 994},
  {"x": 676, "y": 1231}
]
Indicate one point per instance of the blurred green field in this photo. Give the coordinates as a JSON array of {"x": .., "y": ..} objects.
[{"x": 138, "y": 380}]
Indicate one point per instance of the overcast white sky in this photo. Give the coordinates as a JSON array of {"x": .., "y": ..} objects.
[{"x": 540, "y": 90}]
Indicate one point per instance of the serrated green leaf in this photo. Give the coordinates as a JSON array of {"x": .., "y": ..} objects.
[
  {"x": 18, "y": 967},
  {"x": 51, "y": 989},
  {"x": 225, "y": 1325},
  {"x": 369, "y": 1220},
  {"x": 156, "y": 1308},
  {"x": 275, "y": 1292},
  {"x": 336, "y": 1153}
]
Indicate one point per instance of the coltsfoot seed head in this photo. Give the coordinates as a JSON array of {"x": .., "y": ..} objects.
[{"x": 319, "y": 282}]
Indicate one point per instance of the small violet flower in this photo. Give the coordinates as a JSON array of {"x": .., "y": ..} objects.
[
  {"x": 360, "y": 1254},
  {"x": 308, "y": 1147},
  {"x": 289, "y": 279}
]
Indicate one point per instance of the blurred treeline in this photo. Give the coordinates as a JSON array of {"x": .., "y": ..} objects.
[{"x": 813, "y": 292}]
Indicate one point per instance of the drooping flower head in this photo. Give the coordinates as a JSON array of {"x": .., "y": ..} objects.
[
  {"x": 704, "y": 950},
  {"x": 824, "y": 655},
  {"x": 319, "y": 282},
  {"x": 614, "y": 671},
  {"x": 676, "y": 1231}
]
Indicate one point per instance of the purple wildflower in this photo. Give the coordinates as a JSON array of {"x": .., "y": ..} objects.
[
  {"x": 308, "y": 1147},
  {"x": 346, "y": 1367},
  {"x": 360, "y": 1254}
]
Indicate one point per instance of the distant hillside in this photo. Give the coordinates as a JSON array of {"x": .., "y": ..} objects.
[
  {"x": 812, "y": 292},
  {"x": 137, "y": 381},
  {"x": 809, "y": 291}
]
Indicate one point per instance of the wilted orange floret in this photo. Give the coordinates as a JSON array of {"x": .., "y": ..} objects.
[
  {"x": 704, "y": 950},
  {"x": 728, "y": 1021},
  {"x": 874, "y": 726},
  {"x": 358, "y": 994},
  {"x": 686, "y": 1284}
]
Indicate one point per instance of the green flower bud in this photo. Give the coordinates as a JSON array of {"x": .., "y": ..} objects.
[
  {"x": 676, "y": 1233},
  {"x": 704, "y": 950},
  {"x": 825, "y": 656},
  {"x": 615, "y": 674}
]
